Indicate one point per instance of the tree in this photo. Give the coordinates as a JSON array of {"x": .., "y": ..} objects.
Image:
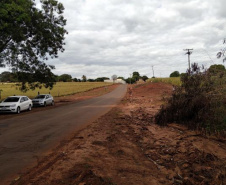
[
  {"x": 91, "y": 80},
  {"x": 28, "y": 37},
  {"x": 7, "y": 76},
  {"x": 130, "y": 80},
  {"x": 216, "y": 68},
  {"x": 182, "y": 75},
  {"x": 65, "y": 78},
  {"x": 121, "y": 78},
  {"x": 84, "y": 79},
  {"x": 222, "y": 52},
  {"x": 56, "y": 78},
  {"x": 114, "y": 77},
  {"x": 144, "y": 78},
  {"x": 101, "y": 79},
  {"x": 75, "y": 79},
  {"x": 175, "y": 74},
  {"x": 136, "y": 76}
]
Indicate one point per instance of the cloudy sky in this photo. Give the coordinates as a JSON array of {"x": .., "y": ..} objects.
[{"x": 109, "y": 37}]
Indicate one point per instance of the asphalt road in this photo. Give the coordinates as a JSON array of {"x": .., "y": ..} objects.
[{"x": 25, "y": 138}]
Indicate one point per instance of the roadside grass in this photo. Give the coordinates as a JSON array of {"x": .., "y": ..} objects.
[
  {"x": 171, "y": 80},
  {"x": 60, "y": 89}
]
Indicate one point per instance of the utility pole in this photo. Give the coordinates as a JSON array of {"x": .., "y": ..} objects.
[
  {"x": 153, "y": 70},
  {"x": 188, "y": 53}
]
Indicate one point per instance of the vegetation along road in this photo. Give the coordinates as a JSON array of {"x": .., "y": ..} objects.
[{"x": 24, "y": 139}]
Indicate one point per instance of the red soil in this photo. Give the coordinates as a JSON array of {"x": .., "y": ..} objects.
[{"x": 126, "y": 147}]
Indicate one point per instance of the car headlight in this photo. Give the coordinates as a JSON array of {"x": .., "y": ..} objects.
[{"x": 13, "y": 105}]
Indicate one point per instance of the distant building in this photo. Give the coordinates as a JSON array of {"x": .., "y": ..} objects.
[{"x": 118, "y": 81}]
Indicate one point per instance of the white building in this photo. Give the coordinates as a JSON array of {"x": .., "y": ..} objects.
[{"x": 118, "y": 81}]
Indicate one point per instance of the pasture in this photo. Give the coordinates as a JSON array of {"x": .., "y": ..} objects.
[
  {"x": 60, "y": 89},
  {"x": 170, "y": 80}
]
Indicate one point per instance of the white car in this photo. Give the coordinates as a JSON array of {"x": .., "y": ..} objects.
[
  {"x": 43, "y": 100},
  {"x": 16, "y": 104}
]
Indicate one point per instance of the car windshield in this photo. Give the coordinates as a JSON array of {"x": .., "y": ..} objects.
[
  {"x": 12, "y": 99},
  {"x": 40, "y": 97}
]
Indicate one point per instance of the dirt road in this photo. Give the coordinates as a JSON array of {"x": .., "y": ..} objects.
[
  {"x": 126, "y": 147},
  {"x": 25, "y": 138}
]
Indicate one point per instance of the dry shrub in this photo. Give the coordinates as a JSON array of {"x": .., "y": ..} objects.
[{"x": 199, "y": 103}]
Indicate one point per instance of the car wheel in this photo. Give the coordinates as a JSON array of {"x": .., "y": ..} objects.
[
  {"x": 52, "y": 103},
  {"x": 18, "y": 110},
  {"x": 44, "y": 104},
  {"x": 29, "y": 108}
]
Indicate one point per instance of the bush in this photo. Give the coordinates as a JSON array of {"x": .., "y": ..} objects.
[
  {"x": 199, "y": 103},
  {"x": 130, "y": 80},
  {"x": 175, "y": 74}
]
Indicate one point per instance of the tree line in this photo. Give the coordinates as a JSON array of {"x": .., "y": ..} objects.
[
  {"x": 213, "y": 69},
  {"x": 7, "y": 76}
]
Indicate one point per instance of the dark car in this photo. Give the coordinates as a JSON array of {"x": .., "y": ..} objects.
[{"x": 43, "y": 100}]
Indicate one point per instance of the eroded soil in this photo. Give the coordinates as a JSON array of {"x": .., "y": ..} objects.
[{"x": 126, "y": 147}]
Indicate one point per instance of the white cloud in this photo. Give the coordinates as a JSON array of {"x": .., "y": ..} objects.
[{"x": 122, "y": 36}]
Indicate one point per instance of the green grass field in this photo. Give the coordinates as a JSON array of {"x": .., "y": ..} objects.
[
  {"x": 172, "y": 80},
  {"x": 60, "y": 89}
]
